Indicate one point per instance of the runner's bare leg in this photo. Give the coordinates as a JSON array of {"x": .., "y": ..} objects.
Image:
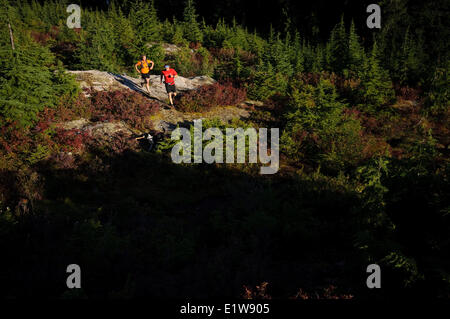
[{"x": 148, "y": 85}]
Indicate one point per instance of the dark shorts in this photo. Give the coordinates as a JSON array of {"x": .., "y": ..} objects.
[
  {"x": 171, "y": 88},
  {"x": 145, "y": 75}
]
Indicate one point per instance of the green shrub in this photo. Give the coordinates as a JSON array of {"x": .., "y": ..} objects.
[
  {"x": 438, "y": 98},
  {"x": 156, "y": 54},
  {"x": 318, "y": 131},
  {"x": 209, "y": 96},
  {"x": 375, "y": 90},
  {"x": 265, "y": 84},
  {"x": 189, "y": 63}
]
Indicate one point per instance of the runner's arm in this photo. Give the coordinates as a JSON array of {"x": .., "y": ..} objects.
[
  {"x": 136, "y": 67},
  {"x": 153, "y": 64},
  {"x": 161, "y": 77},
  {"x": 140, "y": 137}
]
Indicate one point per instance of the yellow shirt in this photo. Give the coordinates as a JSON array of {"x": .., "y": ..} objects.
[{"x": 144, "y": 66}]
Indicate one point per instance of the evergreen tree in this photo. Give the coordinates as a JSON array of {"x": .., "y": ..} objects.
[
  {"x": 438, "y": 97},
  {"x": 256, "y": 46},
  {"x": 297, "y": 54},
  {"x": 316, "y": 111},
  {"x": 409, "y": 63},
  {"x": 177, "y": 36},
  {"x": 30, "y": 78},
  {"x": 376, "y": 87},
  {"x": 318, "y": 59},
  {"x": 356, "y": 55},
  {"x": 192, "y": 30},
  {"x": 336, "y": 55},
  {"x": 167, "y": 31},
  {"x": 220, "y": 34},
  {"x": 144, "y": 19},
  {"x": 264, "y": 83},
  {"x": 98, "y": 45},
  {"x": 309, "y": 57},
  {"x": 208, "y": 35},
  {"x": 237, "y": 38},
  {"x": 124, "y": 34},
  {"x": 277, "y": 54}
]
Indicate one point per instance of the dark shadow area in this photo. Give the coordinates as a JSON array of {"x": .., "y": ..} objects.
[
  {"x": 141, "y": 226},
  {"x": 133, "y": 86},
  {"x": 166, "y": 126},
  {"x": 123, "y": 80}
]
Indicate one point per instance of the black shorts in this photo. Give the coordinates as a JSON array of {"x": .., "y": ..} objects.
[
  {"x": 171, "y": 88},
  {"x": 145, "y": 75}
]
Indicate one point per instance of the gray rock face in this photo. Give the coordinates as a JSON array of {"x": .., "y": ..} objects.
[
  {"x": 102, "y": 81},
  {"x": 97, "y": 130},
  {"x": 168, "y": 47},
  {"x": 75, "y": 124}
]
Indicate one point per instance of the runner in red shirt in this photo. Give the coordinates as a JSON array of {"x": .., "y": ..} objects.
[{"x": 169, "y": 80}]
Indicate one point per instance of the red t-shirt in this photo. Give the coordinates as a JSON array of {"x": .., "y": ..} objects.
[{"x": 168, "y": 76}]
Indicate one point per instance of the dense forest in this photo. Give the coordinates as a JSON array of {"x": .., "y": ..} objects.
[{"x": 364, "y": 173}]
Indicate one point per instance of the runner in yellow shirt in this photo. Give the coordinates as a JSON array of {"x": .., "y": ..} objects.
[{"x": 145, "y": 70}]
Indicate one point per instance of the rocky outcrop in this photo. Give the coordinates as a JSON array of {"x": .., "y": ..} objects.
[
  {"x": 97, "y": 129},
  {"x": 168, "y": 48},
  {"x": 101, "y": 81}
]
